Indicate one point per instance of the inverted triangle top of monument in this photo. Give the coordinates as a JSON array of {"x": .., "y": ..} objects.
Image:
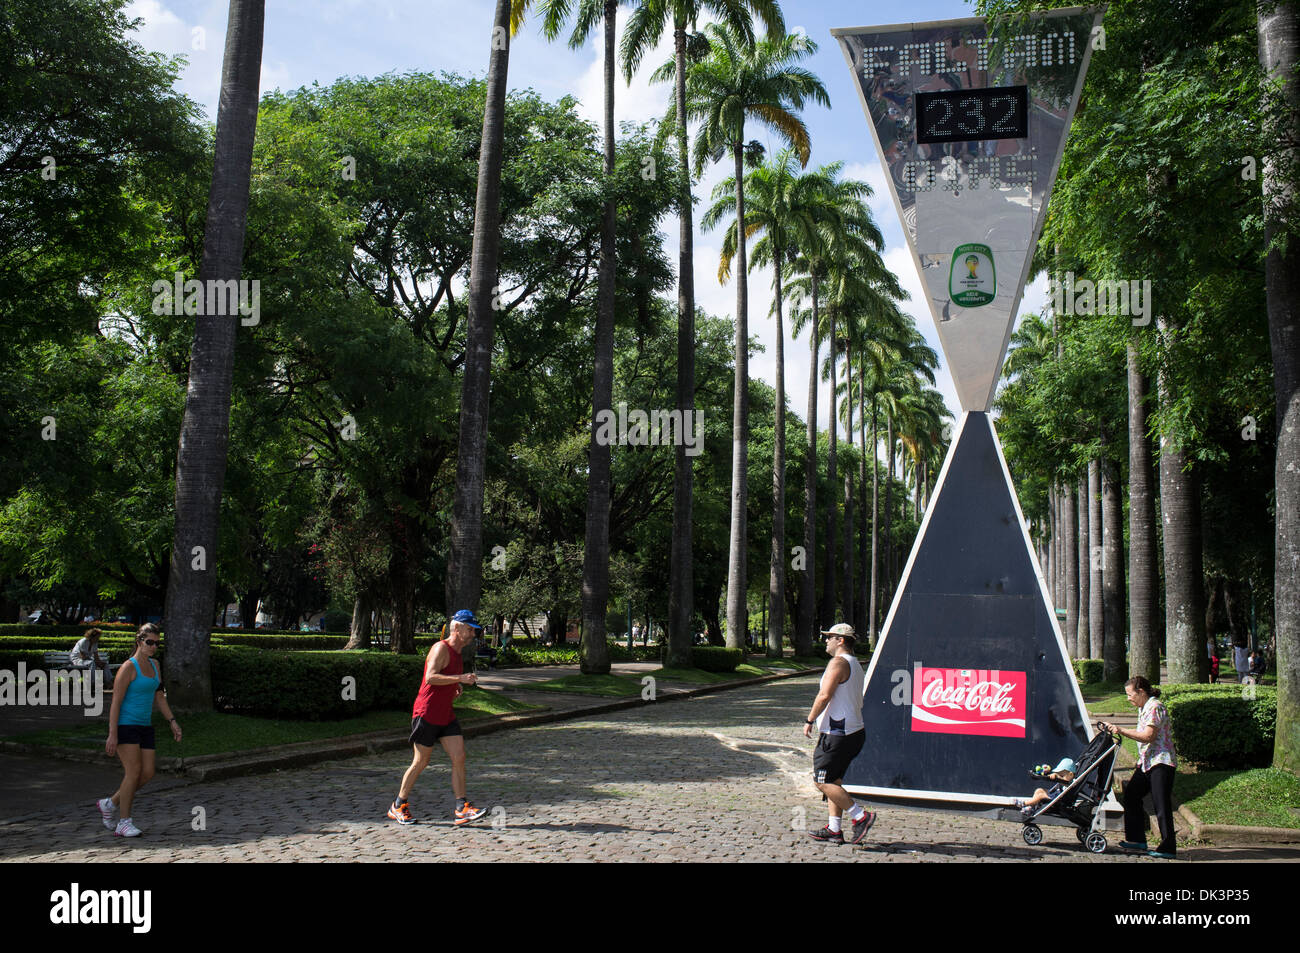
[{"x": 970, "y": 119}]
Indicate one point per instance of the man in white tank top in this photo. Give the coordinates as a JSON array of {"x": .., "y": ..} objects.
[{"x": 837, "y": 713}]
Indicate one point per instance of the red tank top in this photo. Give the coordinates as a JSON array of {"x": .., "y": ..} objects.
[{"x": 433, "y": 703}]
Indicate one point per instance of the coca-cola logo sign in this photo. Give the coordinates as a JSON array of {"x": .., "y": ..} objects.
[{"x": 969, "y": 701}]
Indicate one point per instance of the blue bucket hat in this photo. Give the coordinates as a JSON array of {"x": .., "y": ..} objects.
[{"x": 466, "y": 616}]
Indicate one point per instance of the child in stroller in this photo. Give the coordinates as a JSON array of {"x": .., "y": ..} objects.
[
  {"x": 1076, "y": 798},
  {"x": 1062, "y": 775}
]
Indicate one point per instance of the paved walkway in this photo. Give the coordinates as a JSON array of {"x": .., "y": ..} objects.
[{"x": 722, "y": 777}]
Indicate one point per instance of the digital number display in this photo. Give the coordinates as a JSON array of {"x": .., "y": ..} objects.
[{"x": 965, "y": 115}]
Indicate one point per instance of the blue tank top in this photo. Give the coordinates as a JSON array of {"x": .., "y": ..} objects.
[{"x": 137, "y": 706}]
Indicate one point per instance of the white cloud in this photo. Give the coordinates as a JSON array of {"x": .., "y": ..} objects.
[{"x": 640, "y": 102}]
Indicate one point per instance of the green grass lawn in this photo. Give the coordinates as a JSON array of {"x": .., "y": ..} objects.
[
  {"x": 1263, "y": 797},
  {"x": 605, "y": 686},
  {"x": 217, "y": 733},
  {"x": 759, "y": 661},
  {"x": 1106, "y": 696}
]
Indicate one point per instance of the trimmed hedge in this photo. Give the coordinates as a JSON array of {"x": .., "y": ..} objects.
[
  {"x": 1216, "y": 726},
  {"x": 307, "y": 642},
  {"x": 1089, "y": 670},
  {"x": 715, "y": 658},
  {"x": 310, "y": 685}
]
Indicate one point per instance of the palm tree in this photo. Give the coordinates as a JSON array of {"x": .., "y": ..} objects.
[
  {"x": 784, "y": 207},
  {"x": 644, "y": 28},
  {"x": 857, "y": 281},
  {"x": 1144, "y": 592},
  {"x": 840, "y": 219},
  {"x": 595, "y": 568},
  {"x": 205, "y": 426},
  {"x": 1277, "y": 29},
  {"x": 464, "y": 582},
  {"x": 735, "y": 82}
]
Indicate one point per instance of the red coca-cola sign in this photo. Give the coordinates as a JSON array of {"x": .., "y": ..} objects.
[{"x": 969, "y": 701}]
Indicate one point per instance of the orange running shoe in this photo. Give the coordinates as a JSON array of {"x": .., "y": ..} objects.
[
  {"x": 468, "y": 813},
  {"x": 401, "y": 813}
]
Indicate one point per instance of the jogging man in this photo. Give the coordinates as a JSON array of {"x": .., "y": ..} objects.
[
  {"x": 837, "y": 713},
  {"x": 433, "y": 720}
]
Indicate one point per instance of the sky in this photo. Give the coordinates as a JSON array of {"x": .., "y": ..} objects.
[{"x": 320, "y": 41}]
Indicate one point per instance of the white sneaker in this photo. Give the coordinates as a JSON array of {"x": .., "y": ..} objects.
[
  {"x": 126, "y": 829},
  {"x": 106, "y": 810}
]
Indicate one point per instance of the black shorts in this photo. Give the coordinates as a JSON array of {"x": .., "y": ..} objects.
[
  {"x": 141, "y": 735},
  {"x": 834, "y": 754},
  {"x": 424, "y": 733}
]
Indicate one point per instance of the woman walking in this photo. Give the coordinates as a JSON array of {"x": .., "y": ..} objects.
[
  {"x": 130, "y": 728},
  {"x": 1154, "y": 773}
]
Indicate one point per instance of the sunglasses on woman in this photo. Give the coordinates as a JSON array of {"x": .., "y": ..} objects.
[{"x": 151, "y": 642}]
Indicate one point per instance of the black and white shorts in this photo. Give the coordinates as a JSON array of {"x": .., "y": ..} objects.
[
  {"x": 424, "y": 733},
  {"x": 834, "y": 754}
]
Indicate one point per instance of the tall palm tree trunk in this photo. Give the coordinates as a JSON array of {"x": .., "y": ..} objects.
[
  {"x": 464, "y": 583},
  {"x": 873, "y": 613},
  {"x": 848, "y": 588},
  {"x": 808, "y": 583},
  {"x": 1096, "y": 614},
  {"x": 1070, "y": 537},
  {"x": 594, "y": 654},
  {"x": 205, "y": 425},
  {"x": 1144, "y": 631},
  {"x": 1054, "y": 546},
  {"x": 1180, "y": 513},
  {"x": 829, "y": 613},
  {"x": 776, "y": 585},
  {"x": 889, "y": 505},
  {"x": 1279, "y": 37},
  {"x": 1112, "y": 574},
  {"x": 681, "y": 581},
  {"x": 860, "y": 623},
  {"x": 737, "y": 575},
  {"x": 1079, "y": 638}
]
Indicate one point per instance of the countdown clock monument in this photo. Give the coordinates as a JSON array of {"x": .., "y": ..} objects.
[{"x": 970, "y": 684}]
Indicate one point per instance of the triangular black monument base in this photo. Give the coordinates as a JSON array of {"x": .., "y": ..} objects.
[{"x": 970, "y": 629}]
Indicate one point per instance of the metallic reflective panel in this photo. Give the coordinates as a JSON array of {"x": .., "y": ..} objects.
[{"x": 972, "y": 208}]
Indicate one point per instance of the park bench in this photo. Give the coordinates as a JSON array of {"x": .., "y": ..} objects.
[{"x": 57, "y": 660}]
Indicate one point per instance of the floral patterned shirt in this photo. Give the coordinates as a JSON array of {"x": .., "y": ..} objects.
[{"x": 1160, "y": 750}]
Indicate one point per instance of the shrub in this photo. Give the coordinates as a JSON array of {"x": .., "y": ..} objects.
[
  {"x": 309, "y": 685},
  {"x": 1088, "y": 670},
  {"x": 541, "y": 655},
  {"x": 713, "y": 658},
  {"x": 336, "y": 621},
  {"x": 1222, "y": 729},
  {"x": 291, "y": 643}
]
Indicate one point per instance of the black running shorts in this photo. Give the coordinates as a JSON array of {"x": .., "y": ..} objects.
[
  {"x": 424, "y": 733},
  {"x": 141, "y": 735},
  {"x": 834, "y": 754}
]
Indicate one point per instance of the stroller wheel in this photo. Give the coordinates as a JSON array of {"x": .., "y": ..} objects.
[
  {"x": 1096, "y": 842},
  {"x": 1033, "y": 834},
  {"x": 1080, "y": 833}
]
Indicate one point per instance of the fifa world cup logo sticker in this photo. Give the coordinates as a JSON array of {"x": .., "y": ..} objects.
[{"x": 979, "y": 285}]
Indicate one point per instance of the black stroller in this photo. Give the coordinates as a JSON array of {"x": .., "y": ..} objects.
[{"x": 1080, "y": 802}]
